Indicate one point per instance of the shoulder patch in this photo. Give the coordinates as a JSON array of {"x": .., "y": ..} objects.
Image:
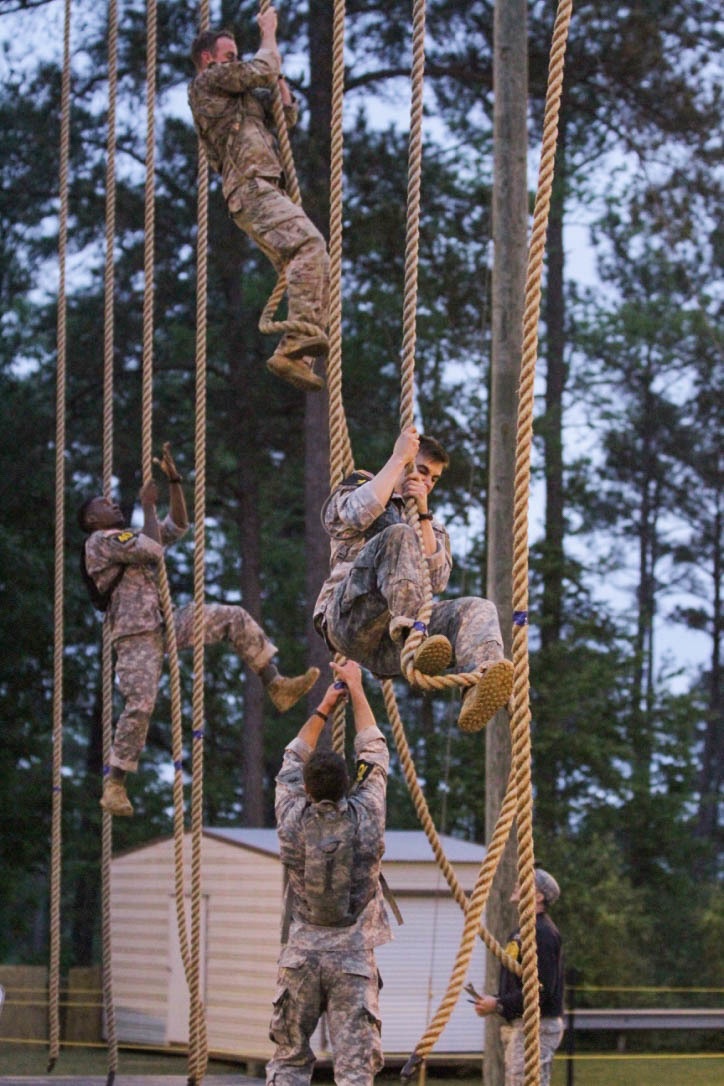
[
  {"x": 123, "y": 537},
  {"x": 357, "y": 478},
  {"x": 363, "y": 771},
  {"x": 513, "y": 950}
]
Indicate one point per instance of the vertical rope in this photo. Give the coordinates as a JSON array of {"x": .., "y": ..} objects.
[
  {"x": 340, "y": 460},
  {"x": 59, "y": 581},
  {"x": 520, "y": 722},
  {"x": 197, "y": 1045},
  {"x": 340, "y": 450},
  {"x": 106, "y": 657}
]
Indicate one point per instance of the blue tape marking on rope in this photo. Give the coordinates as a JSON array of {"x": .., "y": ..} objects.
[
  {"x": 178, "y": 766},
  {"x": 419, "y": 626},
  {"x": 520, "y": 618},
  {"x": 198, "y": 734},
  {"x": 106, "y": 770},
  {"x": 56, "y": 788},
  {"x": 339, "y": 685}
]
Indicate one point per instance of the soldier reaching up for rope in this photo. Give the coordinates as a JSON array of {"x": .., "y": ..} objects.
[
  {"x": 374, "y": 591},
  {"x": 120, "y": 567},
  {"x": 231, "y": 103},
  {"x": 331, "y": 845}
]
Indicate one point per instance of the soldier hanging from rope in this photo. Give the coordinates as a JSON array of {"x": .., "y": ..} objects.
[
  {"x": 120, "y": 568},
  {"x": 230, "y": 100},
  {"x": 374, "y": 591}
]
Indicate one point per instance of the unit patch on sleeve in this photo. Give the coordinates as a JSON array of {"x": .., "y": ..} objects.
[
  {"x": 124, "y": 537},
  {"x": 363, "y": 771},
  {"x": 357, "y": 478}
]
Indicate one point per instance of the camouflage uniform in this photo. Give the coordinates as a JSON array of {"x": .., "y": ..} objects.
[
  {"x": 376, "y": 578},
  {"x": 332, "y": 969},
  {"x": 136, "y": 628},
  {"x": 231, "y": 107}
]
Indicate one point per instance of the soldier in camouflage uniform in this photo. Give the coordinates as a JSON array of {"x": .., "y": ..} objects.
[
  {"x": 231, "y": 103},
  {"x": 123, "y": 565},
  {"x": 374, "y": 593},
  {"x": 321, "y": 968}
]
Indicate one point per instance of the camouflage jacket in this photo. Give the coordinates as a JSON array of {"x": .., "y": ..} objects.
[
  {"x": 352, "y": 515},
  {"x": 366, "y": 807},
  {"x": 232, "y": 110},
  {"x": 135, "y": 606}
]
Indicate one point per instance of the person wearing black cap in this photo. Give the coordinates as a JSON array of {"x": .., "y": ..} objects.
[{"x": 509, "y": 1001}]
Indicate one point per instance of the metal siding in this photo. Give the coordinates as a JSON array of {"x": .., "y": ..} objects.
[{"x": 243, "y": 888}]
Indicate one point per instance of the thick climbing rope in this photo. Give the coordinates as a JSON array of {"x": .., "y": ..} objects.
[
  {"x": 107, "y": 662},
  {"x": 190, "y": 952},
  {"x": 409, "y": 338},
  {"x": 341, "y": 462},
  {"x": 59, "y": 581},
  {"x": 267, "y": 324},
  {"x": 426, "y": 821},
  {"x": 471, "y": 931},
  {"x": 520, "y": 719},
  {"x": 197, "y": 1037},
  {"x": 520, "y": 723}
]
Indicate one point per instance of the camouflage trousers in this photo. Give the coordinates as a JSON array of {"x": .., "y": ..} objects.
[
  {"x": 139, "y": 660},
  {"x": 513, "y": 1038},
  {"x": 291, "y": 242},
  {"x": 385, "y": 582},
  {"x": 346, "y": 989}
]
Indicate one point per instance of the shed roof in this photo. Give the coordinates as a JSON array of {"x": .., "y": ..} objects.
[{"x": 401, "y": 846}]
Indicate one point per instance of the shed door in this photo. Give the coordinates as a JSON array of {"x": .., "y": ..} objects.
[{"x": 177, "y": 1003}]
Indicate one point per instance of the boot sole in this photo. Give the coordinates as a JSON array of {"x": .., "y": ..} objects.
[
  {"x": 295, "y": 372},
  {"x": 490, "y": 695},
  {"x": 124, "y": 813},
  {"x": 433, "y": 656}
]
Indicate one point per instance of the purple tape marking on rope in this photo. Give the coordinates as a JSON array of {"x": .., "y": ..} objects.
[
  {"x": 419, "y": 626},
  {"x": 520, "y": 618},
  {"x": 198, "y": 734},
  {"x": 339, "y": 685},
  {"x": 56, "y": 788},
  {"x": 106, "y": 770},
  {"x": 178, "y": 766}
]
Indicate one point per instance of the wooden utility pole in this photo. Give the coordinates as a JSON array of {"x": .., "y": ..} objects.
[{"x": 510, "y": 221}]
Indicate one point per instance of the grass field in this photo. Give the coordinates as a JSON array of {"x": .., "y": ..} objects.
[{"x": 588, "y": 1070}]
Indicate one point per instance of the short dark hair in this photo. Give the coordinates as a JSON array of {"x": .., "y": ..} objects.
[
  {"x": 433, "y": 450},
  {"x": 205, "y": 42},
  {"x": 325, "y": 776},
  {"x": 83, "y": 512}
]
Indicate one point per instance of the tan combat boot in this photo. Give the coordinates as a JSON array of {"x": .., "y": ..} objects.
[
  {"x": 286, "y": 692},
  {"x": 296, "y": 371},
  {"x": 433, "y": 655},
  {"x": 115, "y": 798},
  {"x": 491, "y": 693}
]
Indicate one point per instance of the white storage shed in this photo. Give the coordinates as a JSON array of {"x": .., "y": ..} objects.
[{"x": 241, "y": 878}]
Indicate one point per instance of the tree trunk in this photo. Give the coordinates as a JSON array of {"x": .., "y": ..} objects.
[
  {"x": 510, "y": 77},
  {"x": 551, "y": 430},
  {"x": 712, "y": 762}
]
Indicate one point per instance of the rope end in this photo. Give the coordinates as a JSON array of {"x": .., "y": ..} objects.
[{"x": 411, "y": 1068}]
